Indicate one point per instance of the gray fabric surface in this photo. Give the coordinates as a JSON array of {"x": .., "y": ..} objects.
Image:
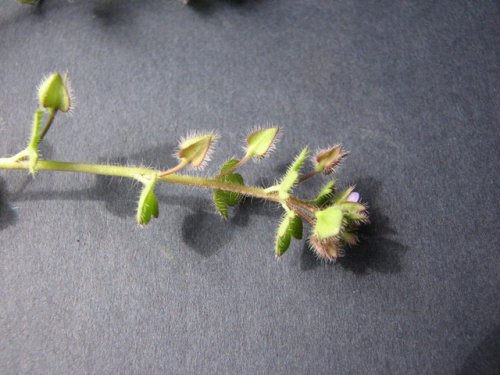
[{"x": 410, "y": 87}]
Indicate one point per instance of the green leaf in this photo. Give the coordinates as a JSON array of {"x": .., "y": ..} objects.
[
  {"x": 260, "y": 142},
  {"x": 195, "y": 150},
  {"x": 54, "y": 93},
  {"x": 328, "y": 222},
  {"x": 296, "y": 227},
  {"x": 283, "y": 237},
  {"x": 228, "y": 165},
  {"x": 148, "y": 204},
  {"x": 291, "y": 177},
  {"x": 290, "y": 226},
  {"x": 282, "y": 244},
  {"x": 225, "y": 199},
  {"x": 325, "y": 194}
]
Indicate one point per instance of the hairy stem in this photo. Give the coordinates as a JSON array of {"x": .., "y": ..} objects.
[
  {"x": 172, "y": 170},
  {"x": 301, "y": 214},
  {"x": 236, "y": 166},
  {"x": 52, "y": 116},
  {"x": 137, "y": 173},
  {"x": 307, "y": 176}
]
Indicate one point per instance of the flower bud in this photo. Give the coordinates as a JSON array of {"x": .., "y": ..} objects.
[
  {"x": 54, "y": 93},
  {"x": 261, "y": 142},
  {"x": 353, "y": 197},
  {"x": 328, "y": 250},
  {"x": 196, "y": 149},
  {"x": 327, "y": 160}
]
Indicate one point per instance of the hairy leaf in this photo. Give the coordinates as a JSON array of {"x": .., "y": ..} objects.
[
  {"x": 325, "y": 195},
  {"x": 147, "y": 206},
  {"x": 296, "y": 227},
  {"x": 225, "y": 199},
  {"x": 290, "y": 226},
  {"x": 291, "y": 177},
  {"x": 328, "y": 222}
]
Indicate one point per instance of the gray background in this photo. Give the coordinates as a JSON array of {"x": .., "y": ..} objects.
[{"x": 410, "y": 87}]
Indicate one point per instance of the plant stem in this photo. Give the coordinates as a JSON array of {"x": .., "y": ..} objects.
[
  {"x": 137, "y": 173},
  {"x": 300, "y": 203},
  {"x": 172, "y": 170},
  {"x": 301, "y": 214},
  {"x": 307, "y": 176},
  {"x": 52, "y": 116},
  {"x": 236, "y": 166}
]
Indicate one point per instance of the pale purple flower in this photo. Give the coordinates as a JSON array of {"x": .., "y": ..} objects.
[{"x": 353, "y": 197}]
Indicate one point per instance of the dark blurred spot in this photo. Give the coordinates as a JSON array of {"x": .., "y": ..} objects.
[
  {"x": 485, "y": 358},
  {"x": 7, "y": 215}
]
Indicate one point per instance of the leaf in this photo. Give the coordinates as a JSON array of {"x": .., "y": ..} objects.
[
  {"x": 196, "y": 150},
  {"x": 261, "y": 142},
  {"x": 328, "y": 222},
  {"x": 296, "y": 227},
  {"x": 283, "y": 237},
  {"x": 147, "y": 206},
  {"x": 325, "y": 194},
  {"x": 282, "y": 244},
  {"x": 228, "y": 165},
  {"x": 54, "y": 93},
  {"x": 291, "y": 177},
  {"x": 225, "y": 199},
  {"x": 290, "y": 226}
]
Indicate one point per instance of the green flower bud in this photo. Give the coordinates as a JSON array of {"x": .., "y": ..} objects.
[
  {"x": 328, "y": 250},
  {"x": 327, "y": 160},
  {"x": 196, "y": 149},
  {"x": 54, "y": 93},
  {"x": 261, "y": 142}
]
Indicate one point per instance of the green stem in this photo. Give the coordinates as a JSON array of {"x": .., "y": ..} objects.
[
  {"x": 52, "y": 116},
  {"x": 137, "y": 173},
  {"x": 177, "y": 168},
  {"x": 236, "y": 166},
  {"x": 307, "y": 176},
  {"x": 303, "y": 205},
  {"x": 303, "y": 216}
]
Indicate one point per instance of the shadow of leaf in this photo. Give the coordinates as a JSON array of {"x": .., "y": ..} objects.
[
  {"x": 7, "y": 215},
  {"x": 205, "y": 232},
  {"x": 207, "y": 7},
  {"x": 484, "y": 359}
]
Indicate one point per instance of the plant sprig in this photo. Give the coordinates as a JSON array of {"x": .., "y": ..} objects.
[{"x": 332, "y": 216}]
